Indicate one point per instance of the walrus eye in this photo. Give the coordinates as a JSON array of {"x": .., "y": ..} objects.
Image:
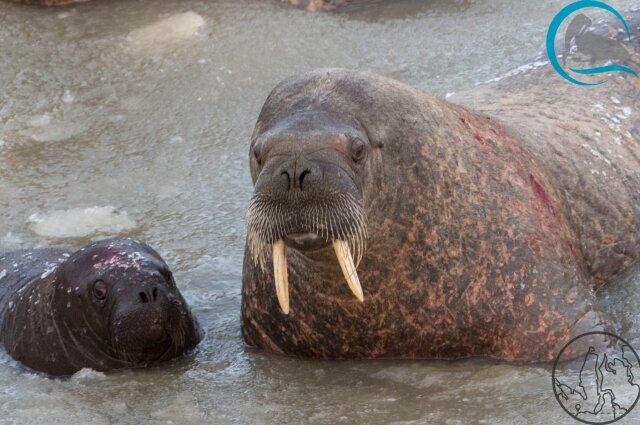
[
  {"x": 257, "y": 153},
  {"x": 100, "y": 289},
  {"x": 357, "y": 150}
]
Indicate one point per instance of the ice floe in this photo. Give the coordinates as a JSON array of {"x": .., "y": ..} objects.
[{"x": 81, "y": 222}]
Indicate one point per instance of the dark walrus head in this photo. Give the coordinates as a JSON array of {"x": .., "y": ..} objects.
[{"x": 116, "y": 305}]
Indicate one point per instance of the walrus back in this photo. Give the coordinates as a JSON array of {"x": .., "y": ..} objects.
[{"x": 587, "y": 137}]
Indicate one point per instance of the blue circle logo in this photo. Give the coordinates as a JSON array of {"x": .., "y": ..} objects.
[{"x": 577, "y": 32}]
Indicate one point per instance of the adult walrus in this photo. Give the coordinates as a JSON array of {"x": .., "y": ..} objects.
[
  {"x": 111, "y": 305},
  {"x": 480, "y": 233}
]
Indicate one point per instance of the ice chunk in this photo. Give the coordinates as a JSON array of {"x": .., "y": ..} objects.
[
  {"x": 174, "y": 28},
  {"x": 40, "y": 120},
  {"x": 68, "y": 97},
  {"x": 81, "y": 222},
  {"x": 87, "y": 374},
  {"x": 10, "y": 241}
]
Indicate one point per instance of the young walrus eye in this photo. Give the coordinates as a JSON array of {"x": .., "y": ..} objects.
[
  {"x": 358, "y": 150},
  {"x": 100, "y": 290}
]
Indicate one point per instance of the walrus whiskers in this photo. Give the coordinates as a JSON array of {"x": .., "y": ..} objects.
[{"x": 339, "y": 219}]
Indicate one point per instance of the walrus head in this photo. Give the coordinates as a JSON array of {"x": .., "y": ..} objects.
[
  {"x": 120, "y": 304},
  {"x": 309, "y": 164}
]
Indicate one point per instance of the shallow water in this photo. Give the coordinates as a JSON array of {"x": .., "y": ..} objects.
[{"x": 99, "y": 110}]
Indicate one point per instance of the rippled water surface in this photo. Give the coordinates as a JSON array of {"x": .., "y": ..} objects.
[{"x": 99, "y": 111}]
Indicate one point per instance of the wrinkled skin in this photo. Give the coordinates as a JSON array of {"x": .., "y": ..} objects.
[
  {"x": 488, "y": 230},
  {"x": 111, "y": 305}
]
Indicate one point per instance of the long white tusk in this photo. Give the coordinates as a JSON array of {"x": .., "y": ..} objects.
[
  {"x": 280, "y": 274},
  {"x": 343, "y": 252}
]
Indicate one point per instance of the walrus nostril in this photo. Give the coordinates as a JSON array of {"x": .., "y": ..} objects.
[
  {"x": 295, "y": 172},
  {"x": 149, "y": 295},
  {"x": 286, "y": 174},
  {"x": 302, "y": 176}
]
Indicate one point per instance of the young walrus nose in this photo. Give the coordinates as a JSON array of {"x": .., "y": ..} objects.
[{"x": 149, "y": 294}]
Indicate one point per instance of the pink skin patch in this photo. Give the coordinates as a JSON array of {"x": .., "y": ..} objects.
[
  {"x": 341, "y": 146},
  {"x": 120, "y": 259}
]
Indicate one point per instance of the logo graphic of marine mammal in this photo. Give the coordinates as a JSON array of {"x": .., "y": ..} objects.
[{"x": 597, "y": 48}]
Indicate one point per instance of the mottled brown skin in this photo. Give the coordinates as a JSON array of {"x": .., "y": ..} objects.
[
  {"x": 564, "y": 125},
  {"x": 488, "y": 232}
]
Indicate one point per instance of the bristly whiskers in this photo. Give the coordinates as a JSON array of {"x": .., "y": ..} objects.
[{"x": 331, "y": 215}]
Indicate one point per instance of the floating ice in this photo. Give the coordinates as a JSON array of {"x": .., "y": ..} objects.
[
  {"x": 10, "y": 241},
  {"x": 55, "y": 132},
  {"x": 39, "y": 120},
  {"x": 87, "y": 374},
  {"x": 626, "y": 111},
  {"x": 517, "y": 71},
  {"x": 81, "y": 222},
  {"x": 172, "y": 29},
  {"x": 68, "y": 97}
]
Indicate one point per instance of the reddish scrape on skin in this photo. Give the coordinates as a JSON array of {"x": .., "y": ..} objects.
[
  {"x": 572, "y": 248},
  {"x": 542, "y": 194},
  {"x": 477, "y": 127}
]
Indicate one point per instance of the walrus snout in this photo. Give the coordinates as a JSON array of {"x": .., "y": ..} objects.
[{"x": 307, "y": 171}]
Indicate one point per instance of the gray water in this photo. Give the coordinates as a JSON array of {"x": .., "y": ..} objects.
[{"x": 97, "y": 111}]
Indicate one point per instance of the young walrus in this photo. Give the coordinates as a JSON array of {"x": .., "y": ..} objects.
[{"x": 111, "y": 305}]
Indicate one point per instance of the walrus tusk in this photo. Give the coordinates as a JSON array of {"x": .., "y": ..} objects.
[
  {"x": 348, "y": 268},
  {"x": 280, "y": 274}
]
